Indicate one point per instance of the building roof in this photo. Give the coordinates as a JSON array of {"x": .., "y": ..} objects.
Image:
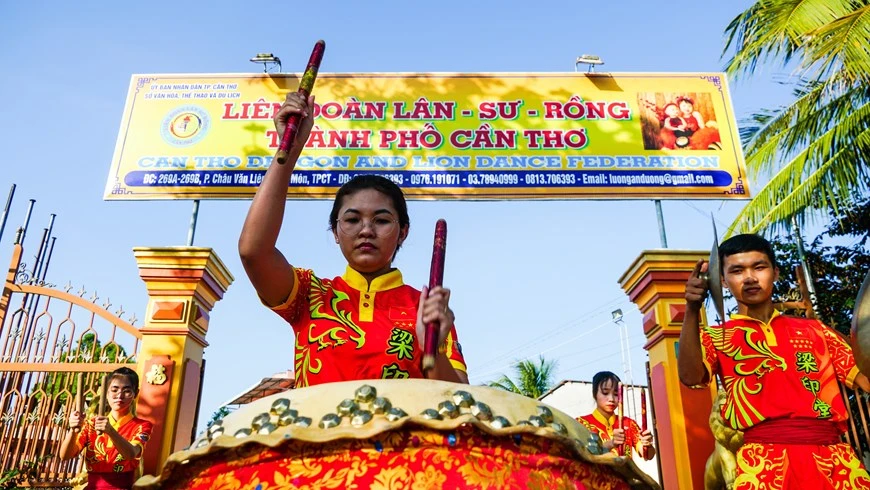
[{"x": 276, "y": 383}]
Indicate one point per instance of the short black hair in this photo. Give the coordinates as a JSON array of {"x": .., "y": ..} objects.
[
  {"x": 370, "y": 181},
  {"x": 602, "y": 377},
  {"x": 747, "y": 242},
  {"x": 130, "y": 374}
]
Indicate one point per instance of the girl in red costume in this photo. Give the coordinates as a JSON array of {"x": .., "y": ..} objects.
[
  {"x": 367, "y": 323},
  {"x": 603, "y": 420},
  {"x": 112, "y": 445}
]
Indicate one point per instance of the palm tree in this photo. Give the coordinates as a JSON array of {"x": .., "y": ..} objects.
[
  {"x": 532, "y": 379},
  {"x": 814, "y": 152}
]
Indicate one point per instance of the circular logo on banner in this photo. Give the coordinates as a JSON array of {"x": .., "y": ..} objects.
[{"x": 185, "y": 125}]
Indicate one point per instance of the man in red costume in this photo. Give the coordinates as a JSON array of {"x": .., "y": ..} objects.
[{"x": 780, "y": 377}]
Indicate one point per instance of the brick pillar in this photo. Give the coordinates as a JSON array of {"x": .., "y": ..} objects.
[
  {"x": 183, "y": 283},
  {"x": 655, "y": 282}
]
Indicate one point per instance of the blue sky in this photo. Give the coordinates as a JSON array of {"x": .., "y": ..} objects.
[{"x": 527, "y": 277}]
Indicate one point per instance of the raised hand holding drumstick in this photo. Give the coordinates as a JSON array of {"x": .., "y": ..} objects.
[{"x": 291, "y": 128}]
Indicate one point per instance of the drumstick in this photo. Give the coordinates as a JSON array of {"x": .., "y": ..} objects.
[
  {"x": 436, "y": 278},
  {"x": 77, "y": 403},
  {"x": 101, "y": 408},
  {"x": 643, "y": 419},
  {"x": 620, "y": 450},
  {"x": 305, "y": 87}
]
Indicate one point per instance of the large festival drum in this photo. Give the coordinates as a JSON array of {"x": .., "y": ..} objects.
[{"x": 396, "y": 434}]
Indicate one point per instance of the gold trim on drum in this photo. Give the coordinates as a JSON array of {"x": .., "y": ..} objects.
[
  {"x": 267, "y": 428},
  {"x": 545, "y": 413},
  {"x": 259, "y": 420},
  {"x": 288, "y": 417},
  {"x": 365, "y": 394},
  {"x": 448, "y": 409},
  {"x": 361, "y": 418},
  {"x": 329, "y": 421},
  {"x": 431, "y": 414},
  {"x": 279, "y": 406},
  {"x": 463, "y": 398},
  {"x": 381, "y": 405},
  {"x": 347, "y": 407},
  {"x": 481, "y": 410}
]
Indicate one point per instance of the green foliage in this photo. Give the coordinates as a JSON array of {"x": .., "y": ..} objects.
[
  {"x": 90, "y": 350},
  {"x": 13, "y": 479},
  {"x": 838, "y": 270},
  {"x": 218, "y": 415},
  {"x": 813, "y": 153},
  {"x": 531, "y": 379}
]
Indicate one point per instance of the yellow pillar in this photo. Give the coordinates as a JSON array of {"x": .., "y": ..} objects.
[
  {"x": 655, "y": 282},
  {"x": 183, "y": 284}
]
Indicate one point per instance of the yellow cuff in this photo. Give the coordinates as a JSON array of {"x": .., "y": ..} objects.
[
  {"x": 290, "y": 297},
  {"x": 850, "y": 378},
  {"x": 458, "y": 366}
]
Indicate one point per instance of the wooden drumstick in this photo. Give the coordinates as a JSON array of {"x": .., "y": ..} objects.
[
  {"x": 436, "y": 278},
  {"x": 643, "y": 419},
  {"x": 101, "y": 407},
  {"x": 620, "y": 450},
  {"x": 305, "y": 87},
  {"x": 79, "y": 399}
]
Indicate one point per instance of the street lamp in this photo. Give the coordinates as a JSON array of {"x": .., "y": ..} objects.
[
  {"x": 588, "y": 59},
  {"x": 265, "y": 59},
  {"x": 617, "y": 316},
  {"x": 625, "y": 350}
]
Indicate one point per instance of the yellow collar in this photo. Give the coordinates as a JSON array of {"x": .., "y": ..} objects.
[
  {"x": 123, "y": 420},
  {"x": 608, "y": 422},
  {"x": 736, "y": 316},
  {"x": 390, "y": 280}
]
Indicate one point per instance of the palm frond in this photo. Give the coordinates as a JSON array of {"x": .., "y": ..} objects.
[
  {"x": 506, "y": 384},
  {"x": 842, "y": 46},
  {"x": 800, "y": 124},
  {"x": 827, "y": 186},
  {"x": 777, "y": 29},
  {"x": 532, "y": 379}
]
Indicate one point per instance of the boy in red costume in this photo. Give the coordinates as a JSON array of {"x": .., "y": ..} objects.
[{"x": 780, "y": 376}]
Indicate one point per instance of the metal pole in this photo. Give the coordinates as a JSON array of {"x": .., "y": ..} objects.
[
  {"x": 6, "y": 210},
  {"x": 802, "y": 257},
  {"x": 663, "y": 237},
  {"x": 193, "y": 217},
  {"x": 44, "y": 247},
  {"x": 28, "y": 298},
  {"x": 26, "y": 220},
  {"x": 39, "y": 278},
  {"x": 48, "y": 259}
]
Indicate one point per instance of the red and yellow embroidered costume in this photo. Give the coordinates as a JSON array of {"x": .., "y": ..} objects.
[
  {"x": 600, "y": 424},
  {"x": 348, "y": 329},
  {"x": 101, "y": 455},
  {"x": 780, "y": 380}
]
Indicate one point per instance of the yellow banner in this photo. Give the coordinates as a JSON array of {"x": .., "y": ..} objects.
[{"x": 439, "y": 136}]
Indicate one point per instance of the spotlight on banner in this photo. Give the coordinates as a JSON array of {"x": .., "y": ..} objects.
[
  {"x": 266, "y": 59},
  {"x": 588, "y": 59}
]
